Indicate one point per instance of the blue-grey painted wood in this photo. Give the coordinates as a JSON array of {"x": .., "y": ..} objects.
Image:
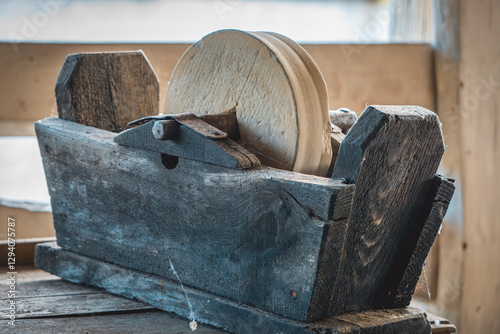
[
  {"x": 426, "y": 230},
  {"x": 107, "y": 89},
  {"x": 199, "y": 306},
  {"x": 253, "y": 236},
  {"x": 190, "y": 144}
]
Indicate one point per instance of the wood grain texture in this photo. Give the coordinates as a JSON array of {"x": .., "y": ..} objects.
[
  {"x": 75, "y": 304},
  {"x": 331, "y": 254},
  {"x": 226, "y": 122},
  {"x": 25, "y": 250},
  {"x": 404, "y": 321},
  {"x": 47, "y": 304},
  {"x": 274, "y": 87},
  {"x": 425, "y": 232},
  {"x": 150, "y": 323},
  {"x": 107, "y": 90},
  {"x": 191, "y": 143},
  {"x": 479, "y": 78},
  {"x": 263, "y": 226},
  {"x": 446, "y": 260},
  {"x": 337, "y": 136},
  {"x": 236, "y": 318},
  {"x": 52, "y": 297},
  {"x": 392, "y": 154}
]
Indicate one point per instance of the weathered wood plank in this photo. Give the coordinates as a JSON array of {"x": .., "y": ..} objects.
[
  {"x": 425, "y": 232},
  {"x": 330, "y": 256},
  {"x": 74, "y": 304},
  {"x": 50, "y": 287},
  {"x": 49, "y": 297},
  {"x": 227, "y": 122},
  {"x": 445, "y": 263},
  {"x": 479, "y": 100},
  {"x": 109, "y": 200},
  {"x": 35, "y": 284},
  {"x": 107, "y": 90},
  {"x": 150, "y": 323},
  {"x": 206, "y": 308},
  {"x": 392, "y": 154},
  {"x": 191, "y": 143},
  {"x": 389, "y": 321}
]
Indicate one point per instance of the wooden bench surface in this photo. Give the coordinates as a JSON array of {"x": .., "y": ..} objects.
[{"x": 47, "y": 304}]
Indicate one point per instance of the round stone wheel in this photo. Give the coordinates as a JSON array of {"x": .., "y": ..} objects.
[{"x": 272, "y": 83}]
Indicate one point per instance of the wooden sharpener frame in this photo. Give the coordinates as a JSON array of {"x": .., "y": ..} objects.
[{"x": 174, "y": 212}]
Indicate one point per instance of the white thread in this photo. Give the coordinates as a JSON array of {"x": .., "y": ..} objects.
[
  {"x": 426, "y": 280},
  {"x": 193, "y": 324}
]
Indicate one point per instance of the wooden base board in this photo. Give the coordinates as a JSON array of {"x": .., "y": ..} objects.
[{"x": 194, "y": 304}]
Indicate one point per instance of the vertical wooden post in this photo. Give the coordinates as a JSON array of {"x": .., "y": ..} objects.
[
  {"x": 448, "y": 271},
  {"x": 392, "y": 154},
  {"x": 479, "y": 78}
]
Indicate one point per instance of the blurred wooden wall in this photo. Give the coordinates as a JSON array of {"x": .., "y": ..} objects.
[
  {"x": 467, "y": 67},
  {"x": 479, "y": 106},
  {"x": 356, "y": 75}
]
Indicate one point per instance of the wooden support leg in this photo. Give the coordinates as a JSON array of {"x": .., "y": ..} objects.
[
  {"x": 391, "y": 154},
  {"x": 427, "y": 227}
]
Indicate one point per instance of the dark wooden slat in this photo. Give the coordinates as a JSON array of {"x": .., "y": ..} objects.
[
  {"x": 330, "y": 256},
  {"x": 38, "y": 297},
  {"x": 392, "y": 154},
  {"x": 191, "y": 144},
  {"x": 210, "y": 309},
  {"x": 50, "y": 288},
  {"x": 107, "y": 90},
  {"x": 194, "y": 122},
  {"x": 397, "y": 321},
  {"x": 74, "y": 304},
  {"x": 263, "y": 226},
  {"x": 427, "y": 228},
  {"x": 227, "y": 122},
  {"x": 144, "y": 323}
]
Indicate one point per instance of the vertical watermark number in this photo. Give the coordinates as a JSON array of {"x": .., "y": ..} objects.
[{"x": 11, "y": 274}]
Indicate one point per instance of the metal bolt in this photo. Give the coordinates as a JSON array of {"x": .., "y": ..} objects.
[{"x": 166, "y": 129}]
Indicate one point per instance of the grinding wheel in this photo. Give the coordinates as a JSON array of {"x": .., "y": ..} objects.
[{"x": 272, "y": 83}]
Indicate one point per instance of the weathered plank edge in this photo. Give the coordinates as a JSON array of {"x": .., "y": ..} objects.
[
  {"x": 109, "y": 111},
  {"x": 318, "y": 194},
  {"x": 431, "y": 217},
  {"x": 190, "y": 144},
  {"x": 194, "y": 304},
  {"x": 330, "y": 254}
]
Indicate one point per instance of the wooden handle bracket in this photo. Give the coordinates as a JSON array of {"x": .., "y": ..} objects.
[{"x": 191, "y": 137}]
